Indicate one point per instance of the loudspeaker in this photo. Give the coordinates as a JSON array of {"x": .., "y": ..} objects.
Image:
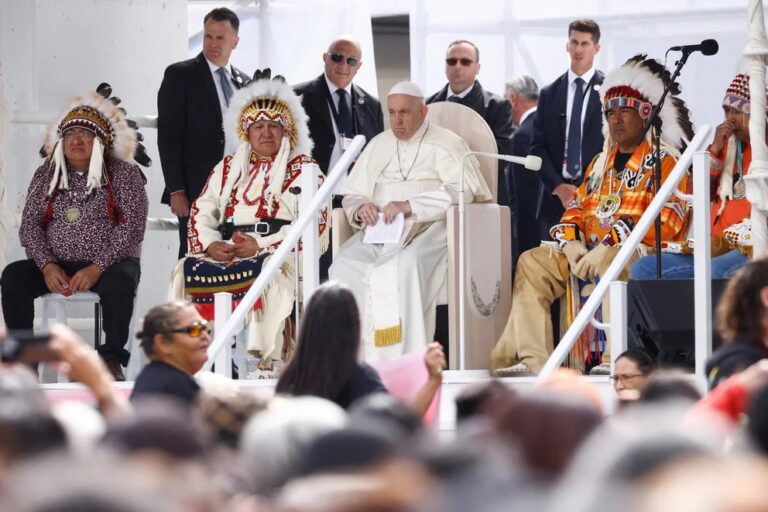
[{"x": 661, "y": 319}]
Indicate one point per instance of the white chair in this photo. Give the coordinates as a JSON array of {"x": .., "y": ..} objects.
[
  {"x": 53, "y": 309},
  {"x": 488, "y": 288}
]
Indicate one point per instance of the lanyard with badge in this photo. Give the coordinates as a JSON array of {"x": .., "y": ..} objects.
[{"x": 345, "y": 139}]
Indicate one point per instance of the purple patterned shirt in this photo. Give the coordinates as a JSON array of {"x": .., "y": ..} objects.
[{"x": 90, "y": 235}]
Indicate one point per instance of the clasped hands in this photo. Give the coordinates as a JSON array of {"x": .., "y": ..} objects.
[
  {"x": 243, "y": 246},
  {"x": 585, "y": 263},
  {"x": 58, "y": 281},
  {"x": 368, "y": 213}
]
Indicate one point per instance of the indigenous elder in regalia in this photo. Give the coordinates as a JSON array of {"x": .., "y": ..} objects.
[
  {"x": 83, "y": 220},
  {"x": 617, "y": 189},
  {"x": 731, "y": 228},
  {"x": 246, "y": 209},
  {"x": 414, "y": 169}
]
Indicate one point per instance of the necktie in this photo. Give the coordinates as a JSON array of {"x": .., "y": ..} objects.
[
  {"x": 345, "y": 115},
  {"x": 455, "y": 99},
  {"x": 573, "y": 166},
  {"x": 226, "y": 87}
]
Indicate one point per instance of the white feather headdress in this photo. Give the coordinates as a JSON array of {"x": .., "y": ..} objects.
[
  {"x": 272, "y": 100},
  {"x": 99, "y": 113}
]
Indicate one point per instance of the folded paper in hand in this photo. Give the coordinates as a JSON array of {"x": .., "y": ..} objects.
[{"x": 381, "y": 233}]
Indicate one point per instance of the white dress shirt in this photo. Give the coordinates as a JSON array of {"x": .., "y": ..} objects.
[
  {"x": 587, "y": 77},
  {"x": 337, "y": 151},
  {"x": 217, "y": 82}
]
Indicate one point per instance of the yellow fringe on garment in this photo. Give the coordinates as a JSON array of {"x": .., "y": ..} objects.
[{"x": 388, "y": 336}]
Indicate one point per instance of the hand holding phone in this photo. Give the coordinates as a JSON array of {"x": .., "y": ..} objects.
[{"x": 26, "y": 346}]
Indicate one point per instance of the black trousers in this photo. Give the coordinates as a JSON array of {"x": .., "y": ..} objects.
[
  {"x": 183, "y": 221},
  {"x": 22, "y": 282}
]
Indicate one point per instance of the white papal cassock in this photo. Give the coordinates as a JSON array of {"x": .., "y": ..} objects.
[{"x": 397, "y": 286}]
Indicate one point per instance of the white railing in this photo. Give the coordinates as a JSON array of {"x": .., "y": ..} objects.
[
  {"x": 224, "y": 335},
  {"x": 624, "y": 254}
]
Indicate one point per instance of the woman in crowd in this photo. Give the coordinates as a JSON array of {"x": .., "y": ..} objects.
[
  {"x": 742, "y": 321},
  {"x": 631, "y": 372},
  {"x": 326, "y": 360},
  {"x": 175, "y": 338}
]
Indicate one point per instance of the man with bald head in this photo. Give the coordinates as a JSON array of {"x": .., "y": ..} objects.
[
  {"x": 411, "y": 171},
  {"x": 338, "y": 110},
  {"x": 462, "y": 65}
]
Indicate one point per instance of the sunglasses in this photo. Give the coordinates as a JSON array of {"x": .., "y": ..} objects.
[
  {"x": 337, "y": 57},
  {"x": 195, "y": 329},
  {"x": 452, "y": 61}
]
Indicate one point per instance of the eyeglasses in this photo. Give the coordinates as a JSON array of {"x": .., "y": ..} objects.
[
  {"x": 80, "y": 133},
  {"x": 195, "y": 329},
  {"x": 452, "y": 61},
  {"x": 337, "y": 57},
  {"x": 624, "y": 378}
]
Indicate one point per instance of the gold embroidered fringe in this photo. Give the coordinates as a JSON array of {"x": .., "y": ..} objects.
[{"x": 388, "y": 336}]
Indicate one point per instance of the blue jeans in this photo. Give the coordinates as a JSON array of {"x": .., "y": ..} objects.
[{"x": 680, "y": 266}]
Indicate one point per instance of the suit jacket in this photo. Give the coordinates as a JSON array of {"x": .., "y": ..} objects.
[
  {"x": 190, "y": 133},
  {"x": 524, "y": 190},
  {"x": 497, "y": 113},
  {"x": 366, "y": 113},
  {"x": 549, "y": 139}
]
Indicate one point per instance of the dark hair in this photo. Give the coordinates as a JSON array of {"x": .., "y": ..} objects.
[
  {"x": 327, "y": 347},
  {"x": 740, "y": 310},
  {"x": 641, "y": 358},
  {"x": 224, "y": 14},
  {"x": 473, "y": 399},
  {"x": 668, "y": 385},
  {"x": 757, "y": 427},
  {"x": 585, "y": 25},
  {"x": 158, "y": 320},
  {"x": 470, "y": 43},
  {"x": 547, "y": 428}
]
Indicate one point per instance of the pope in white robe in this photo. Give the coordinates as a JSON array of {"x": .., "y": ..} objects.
[{"x": 412, "y": 169}]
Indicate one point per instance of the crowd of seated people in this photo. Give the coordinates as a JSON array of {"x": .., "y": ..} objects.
[{"x": 305, "y": 449}]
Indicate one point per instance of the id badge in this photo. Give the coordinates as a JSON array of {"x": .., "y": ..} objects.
[{"x": 345, "y": 143}]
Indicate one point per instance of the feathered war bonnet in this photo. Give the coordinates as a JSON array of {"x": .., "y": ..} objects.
[
  {"x": 639, "y": 84},
  {"x": 266, "y": 100},
  {"x": 98, "y": 113}
]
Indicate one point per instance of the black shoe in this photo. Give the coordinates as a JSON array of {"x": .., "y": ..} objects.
[{"x": 116, "y": 369}]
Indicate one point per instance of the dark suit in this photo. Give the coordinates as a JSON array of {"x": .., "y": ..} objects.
[
  {"x": 368, "y": 118},
  {"x": 497, "y": 113},
  {"x": 524, "y": 191},
  {"x": 548, "y": 142},
  {"x": 190, "y": 132}
]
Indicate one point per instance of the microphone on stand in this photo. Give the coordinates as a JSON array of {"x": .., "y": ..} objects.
[
  {"x": 706, "y": 47},
  {"x": 530, "y": 162}
]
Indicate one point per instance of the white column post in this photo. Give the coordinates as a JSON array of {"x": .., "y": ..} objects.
[
  {"x": 756, "y": 179},
  {"x": 310, "y": 255},
  {"x": 222, "y": 310},
  {"x": 618, "y": 321},
  {"x": 702, "y": 265}
]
